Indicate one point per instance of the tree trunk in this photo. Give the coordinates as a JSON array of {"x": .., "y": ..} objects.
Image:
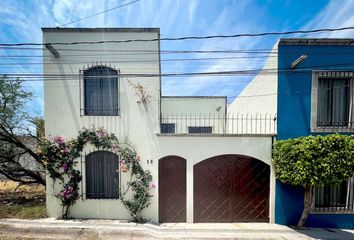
[{"x": 308, "y": 195}]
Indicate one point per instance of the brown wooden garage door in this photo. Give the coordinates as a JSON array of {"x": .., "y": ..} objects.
[
  {"x": 172, "y": 189},
  {"x": 231, "y": 188}
]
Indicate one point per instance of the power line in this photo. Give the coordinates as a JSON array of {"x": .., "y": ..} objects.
[
  {"x": 266, "y": 50},
  {"x": 246, "y": 96},
  {"x": 132, "y": 61},
  {"x": 305, "y": 70},
  {"x": 186, "y": 38},
  {"x": 171, "y": 68},
  {"x": 108, "y": 10},
  {"x": 244, "y": 54},
  {"x": 169, "y": 59},
  {"x": 148, "y": 52},
  {"x": 167, "y": 66},
  {"x": 130, "y": 54},
  {"x": 146, "y": 61}
]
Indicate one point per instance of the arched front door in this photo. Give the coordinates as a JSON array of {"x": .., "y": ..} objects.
[
  {"x": 172, "y": 189},
  {"x": 231, "y": 188}
]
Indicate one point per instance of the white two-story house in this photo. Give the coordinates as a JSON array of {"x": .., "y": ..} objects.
[{"x": 209, "y": 164}]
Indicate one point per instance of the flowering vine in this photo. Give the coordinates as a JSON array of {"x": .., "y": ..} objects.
[
  {"x": 143, "y": 95},
  {"x": 60, "y": 158}
]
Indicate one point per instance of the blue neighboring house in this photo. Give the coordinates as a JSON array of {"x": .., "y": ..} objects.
[{"x": 315, "y": 96}]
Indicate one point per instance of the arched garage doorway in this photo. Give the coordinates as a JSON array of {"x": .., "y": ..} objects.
[
  {"x": 231, "y": 188},
  {"x": 172, "y": 189}
]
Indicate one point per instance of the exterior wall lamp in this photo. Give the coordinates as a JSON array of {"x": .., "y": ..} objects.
[{"x": 298, "y": 61}]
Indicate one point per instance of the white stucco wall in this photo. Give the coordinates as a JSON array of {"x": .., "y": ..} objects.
[
  {"x": 184, "y": 112},
  {"x": 62, "y": 95},
  {"x": 205, "y": 105},
  {"x": 138, "y": 122},
  {"x": 260, "y": 96},
  {"x": 62, "y": 100}
]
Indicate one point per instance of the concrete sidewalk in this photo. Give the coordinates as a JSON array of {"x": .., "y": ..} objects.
[{"x": 112, "y": 229}]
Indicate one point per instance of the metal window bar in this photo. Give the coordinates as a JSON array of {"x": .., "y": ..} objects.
[
  {"x": 335, "y": 198},
  {"x": 100, "y": 99},
  {"x": 348, "y": 88}
]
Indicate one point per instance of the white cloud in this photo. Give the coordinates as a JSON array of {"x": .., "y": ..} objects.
[
  {"x": 65, "y": 11},
  {"x": 215, "y": 85},
  {"x": 192, "y": 9},
  {"x": 336, "y": 14}
]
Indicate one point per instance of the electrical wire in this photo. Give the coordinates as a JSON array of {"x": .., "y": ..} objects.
[
  {"x": 198, "y": 74},
  {"x": 135, "y": 61},
  {"x": 104, "y": 55},
  {"x": 139, "y": 50},
  {"x": 320, "y": 30},
  {"x": 248, "y": 55},
  {"x": 264, "y": 71},
  {"x": 296, "y": 92},
  {"x": 27, "y": 59},
  {"x": 108, "y": 10}
]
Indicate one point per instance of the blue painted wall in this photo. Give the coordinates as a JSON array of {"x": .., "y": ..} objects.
[{"x": 294, "y": 109}]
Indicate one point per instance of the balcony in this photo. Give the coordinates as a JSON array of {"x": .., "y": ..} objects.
[{"x": 221, "y": 124}]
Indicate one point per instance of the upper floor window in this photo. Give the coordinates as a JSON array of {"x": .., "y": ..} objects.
[
  {"x": 101, "y": 175},
  {"x": 332, "y": 101},
  {"x": 101, "y": 91}
]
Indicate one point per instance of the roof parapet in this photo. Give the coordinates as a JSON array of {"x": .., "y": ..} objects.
[{"x": 316, "y": 41}]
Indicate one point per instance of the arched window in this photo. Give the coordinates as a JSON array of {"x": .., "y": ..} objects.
[
  {"x": 101, "y": 175},
  {"x": 101, "y": 91}
]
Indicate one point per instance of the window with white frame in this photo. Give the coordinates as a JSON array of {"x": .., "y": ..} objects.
[
  {"x": 332, "y": 101},
  {"x": 100, "y": 91},
  {"x": 335, "y": 198}
]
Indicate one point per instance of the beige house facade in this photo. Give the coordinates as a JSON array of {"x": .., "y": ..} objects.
[{"x": 208, "y": 163}]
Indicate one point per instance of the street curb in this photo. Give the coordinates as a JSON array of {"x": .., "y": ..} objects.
[
  {"x": 138, "y": 230},
  {"x": 105, "y": 229}
]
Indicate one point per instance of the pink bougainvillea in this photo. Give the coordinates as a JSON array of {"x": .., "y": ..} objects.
[
  {"x": 59, "y": 139},
  {"x": 60, "y": 157},
  {"x": 65, "y": 167},
  {"x": 66, "y": 192}
]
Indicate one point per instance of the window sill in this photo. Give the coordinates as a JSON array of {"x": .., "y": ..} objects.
[
  {"x": 100, "y": 199},
  {"x": 332, "y": 129},
  {"x": 115, "y": 113},
  {"x": 332, "y": 212},
  {"x": 83, "y": 115}
]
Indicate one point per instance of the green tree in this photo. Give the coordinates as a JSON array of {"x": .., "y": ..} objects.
[
  {"x": 313, "y": 161},
  {"x": 17, "y": 137}
]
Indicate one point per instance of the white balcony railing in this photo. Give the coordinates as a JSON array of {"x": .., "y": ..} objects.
[{"x": 248, "y": 124}]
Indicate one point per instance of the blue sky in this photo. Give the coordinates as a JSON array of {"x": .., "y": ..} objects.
[{"x": 21, "y": 21}]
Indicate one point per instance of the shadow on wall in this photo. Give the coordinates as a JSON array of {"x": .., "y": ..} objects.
[
  {"x": 345, "y": 221},
  {"x": 288, "y": 203}
]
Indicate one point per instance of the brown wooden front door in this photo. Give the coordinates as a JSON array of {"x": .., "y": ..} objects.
[
  {"x": 231, "y": 188},
  {"x": 172, "y": 189}
]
